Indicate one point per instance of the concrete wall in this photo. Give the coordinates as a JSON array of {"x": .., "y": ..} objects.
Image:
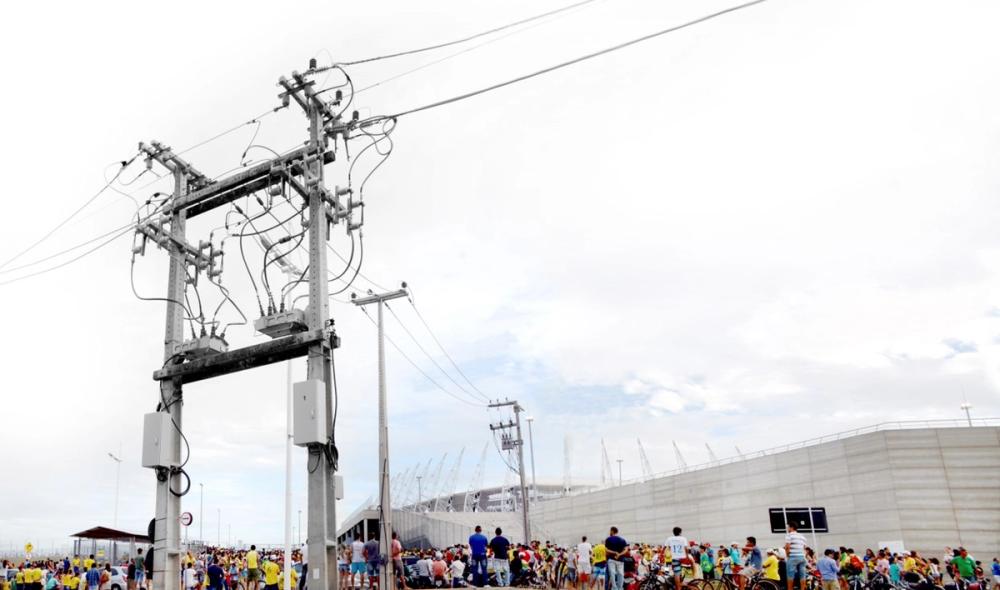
[
  {"x": 444, "y": 529},
  {"x": 926, "y": 487}
]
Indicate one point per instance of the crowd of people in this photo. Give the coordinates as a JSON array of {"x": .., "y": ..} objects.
[
  {"x": 615, "y": 564},
  {"x": 611, "y": 563}
]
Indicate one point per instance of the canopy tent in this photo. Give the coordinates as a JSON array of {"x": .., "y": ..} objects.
[{"x": 103, "y": 533}]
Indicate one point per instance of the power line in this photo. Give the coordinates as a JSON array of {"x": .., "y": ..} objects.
[
  {"x": 417, "y": 367},
  {"x": 60, "y": 225},
  {"x": 441, "y": 346},
  {"x": 427, "y": 354},
  {"x": 559, "y": 66},
  {"x": 456, "y": 41},
  {"x": 458, "y": 53}
]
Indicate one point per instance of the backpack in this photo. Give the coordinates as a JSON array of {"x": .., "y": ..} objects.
[{"x": 855, "y": 564}]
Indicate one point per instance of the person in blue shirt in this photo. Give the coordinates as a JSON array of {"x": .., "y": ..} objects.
[
  {"x": 893, "y": 571},
  {"x": 93, "y": 576},
  {"x": 501, "y": 560},
  {"x": 617, "y": 548},
  {"x": 477, "y": 557},
  {"x": 828, "y": 570}
]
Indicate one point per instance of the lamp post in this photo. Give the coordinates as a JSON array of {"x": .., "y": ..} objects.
[
  {"x": 620, "y": 471},
  {"x": 531, "y": 446},
  {"x": 201, "y": 513},
  {"x": 118, "y": 478},
  {"x": 968, "y": 415}
]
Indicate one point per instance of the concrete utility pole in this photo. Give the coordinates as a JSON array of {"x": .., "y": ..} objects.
[
  {"x": 508, "y": 443},
  {"x": 531, "y": 447},
  {"x": 386, "y": 578},
  {"x": 308, "y": 333}
]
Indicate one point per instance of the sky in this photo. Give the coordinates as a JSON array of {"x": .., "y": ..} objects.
[{"x": 773, "y": 226}]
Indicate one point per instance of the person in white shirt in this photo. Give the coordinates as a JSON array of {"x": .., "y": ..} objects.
[
  {"x": 190, "y": 579},
  {"x": 678, "y": 547},
  {"x": 358, "y": 562},
  {"x": 457, "y": 571},
  {"x": 584, "y": 551}
]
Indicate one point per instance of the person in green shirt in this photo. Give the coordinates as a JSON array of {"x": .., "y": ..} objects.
[{"x": 964, "y": 565}]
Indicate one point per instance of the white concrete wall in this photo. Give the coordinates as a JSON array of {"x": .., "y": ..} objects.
[
  {"x": 443, "y": 529},
  {"x": 926, "y": 487}
]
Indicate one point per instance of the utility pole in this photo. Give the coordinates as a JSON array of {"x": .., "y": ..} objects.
[
  {"x": 201, "y": 513},
  {"x": 118, "y": 478},
  {"x": 309, "y": 333},
  {"x": 386, "y": 578},
  {"x": 531, "y": 447},
  {"x": 508, "y": 443}
]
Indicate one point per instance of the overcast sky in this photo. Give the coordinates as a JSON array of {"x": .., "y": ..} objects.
[{"x": 776, "y": 225}]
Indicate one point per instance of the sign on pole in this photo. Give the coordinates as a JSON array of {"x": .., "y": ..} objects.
[{"x": 187, "y": 518}]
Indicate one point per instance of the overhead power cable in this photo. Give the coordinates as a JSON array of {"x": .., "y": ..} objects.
[
  {"x": 565, "y": 64},
  {"x": 60, "y": 225},
  {"x": 428, "y": 355},
  {"x": 417, "y": 367},
  {"x": 448, "y": 356},
  {"x": 462, "y": 52},
  {"x": 456, "y": 41}
]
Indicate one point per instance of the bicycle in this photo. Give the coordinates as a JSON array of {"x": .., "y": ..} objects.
[{"x": 755, "y": 581}]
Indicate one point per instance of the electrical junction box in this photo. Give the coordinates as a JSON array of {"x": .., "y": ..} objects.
[
  {"x": 201, "y": 347},
  {"x": 309, "y": 413},
  {"x": 282, "y": 323},
  {"x": 338, "y": 487},
  {"x": 158, "y": 436}
]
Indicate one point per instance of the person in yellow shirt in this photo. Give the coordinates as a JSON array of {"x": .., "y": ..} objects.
[
  {"x": 253, "y": 573},
  {"x": 19, "y": 580},
  {"x": 88, "y": 562},
  {"x": 909, "y": 564},
  {"x": 76, "y": 563},
  {"x": 770, "y": 566},
  {"x": 294, "y": 578},
  {"x": 271, "y": 571}
]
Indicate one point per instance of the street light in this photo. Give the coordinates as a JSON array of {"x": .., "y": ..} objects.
[
  {"x": 531, "y": 446},
  {"x": 620, "y": 471},
  {"x": 201, "y": 514},
  {"x": 968, "y": 416},
  {"x": 118, "y": 478}
]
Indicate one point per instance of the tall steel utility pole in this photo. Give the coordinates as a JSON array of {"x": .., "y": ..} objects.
[
  {"x": 208, "y": 355},
  {"x": 508, "y": 443},
  {"x": 386, "y": 578}
]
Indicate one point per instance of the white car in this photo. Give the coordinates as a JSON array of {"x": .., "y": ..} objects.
[{"x": 118, "y": 581}]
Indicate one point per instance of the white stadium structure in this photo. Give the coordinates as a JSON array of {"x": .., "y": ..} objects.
[{"x": 916, "y": 485}]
